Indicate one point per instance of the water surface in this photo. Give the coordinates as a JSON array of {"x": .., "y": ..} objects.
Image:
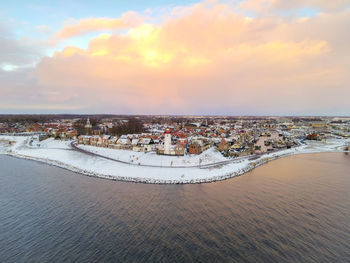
[{"x": 290, "y": 210}]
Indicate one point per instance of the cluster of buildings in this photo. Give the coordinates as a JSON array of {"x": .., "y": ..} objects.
[
  {"x": 193, "y": 135},
  {"x": 61, "y": 129},
  {"x": 232, "y": 138}
]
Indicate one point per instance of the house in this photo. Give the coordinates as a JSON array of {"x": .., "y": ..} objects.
[
  {"x": 134, "y": 141},
  {"x": 182, "y": 141},
  {"x": 144, "y": 145},
  {"x": 103, "y": 141},
  {"x": 223, "y": 145},
  {"x": 179, "y": 150},
  {"x": 84, "y": 139},
  {"x": 94, "y": 140},
  {"x": 71, "y": 134},
  {"x": 194, "y": 148},
  {"x": 235, "y": 146},
  {"x": 124, "y": 142},
  {"x": 112, "y": 142}
]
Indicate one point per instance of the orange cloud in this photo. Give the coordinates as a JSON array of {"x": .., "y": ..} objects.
[
  {"x": 87, "y": 25},
  {"x": 208, "y": 59}
]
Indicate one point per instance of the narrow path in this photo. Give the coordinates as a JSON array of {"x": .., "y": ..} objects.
[{"x": 202, "y": 166}]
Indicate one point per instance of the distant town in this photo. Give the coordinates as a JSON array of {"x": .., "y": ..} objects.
[
  {"x": 167, "y": 149},
  {"x": 181, "y": 135}
]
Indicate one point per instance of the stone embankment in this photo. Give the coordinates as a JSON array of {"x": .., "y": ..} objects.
[{"x": 250, "y": 166}]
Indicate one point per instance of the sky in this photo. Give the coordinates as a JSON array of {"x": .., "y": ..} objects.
[{"x": 212, "y": 57}]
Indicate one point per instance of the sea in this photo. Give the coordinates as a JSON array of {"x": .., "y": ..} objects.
[{"x": 295, "y": 209}]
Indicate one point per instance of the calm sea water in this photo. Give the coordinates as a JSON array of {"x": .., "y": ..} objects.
[{"x": 296, "y": 209}]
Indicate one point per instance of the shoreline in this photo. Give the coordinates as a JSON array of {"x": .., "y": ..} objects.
[{"x": 228, "y": 175}]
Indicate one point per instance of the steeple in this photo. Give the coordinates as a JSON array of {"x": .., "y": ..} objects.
[{"x": 88, "y": 124}]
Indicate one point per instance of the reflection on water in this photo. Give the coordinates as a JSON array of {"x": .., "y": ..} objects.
[{"x": 293, "y": 209}]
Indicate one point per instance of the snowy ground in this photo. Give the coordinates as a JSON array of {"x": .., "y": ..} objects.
[
  {"x": 59, "y": 153},
  {"x": 151, "y": 158}
]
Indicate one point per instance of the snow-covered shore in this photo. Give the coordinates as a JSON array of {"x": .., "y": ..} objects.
[
  {"x": 151, "y": 158},
  {"x": 60, "y": 153}
]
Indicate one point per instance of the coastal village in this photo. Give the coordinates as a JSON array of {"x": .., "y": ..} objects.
[
  {"x": 168, "y": 149},
  {"x": 179, "y": 136}
]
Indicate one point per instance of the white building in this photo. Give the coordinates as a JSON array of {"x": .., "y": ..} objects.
[
  {"x": 167, "y": 142},
  {"x": 88, "y": 124}
]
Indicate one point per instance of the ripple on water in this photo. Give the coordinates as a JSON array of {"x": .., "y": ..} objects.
[{"x": 293, "y": 209}]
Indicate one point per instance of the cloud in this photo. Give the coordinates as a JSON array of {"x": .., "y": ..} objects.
[
  {"x": 14, "y": 52},
  {"x": 203, "y": 59},
  {"x": 83, "y": 26},
  {"x": 208, "y": 60},
  {"x": 324, "y": 5}
]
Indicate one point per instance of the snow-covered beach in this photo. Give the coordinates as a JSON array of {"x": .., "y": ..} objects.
[{"x": 191, "y": 168}]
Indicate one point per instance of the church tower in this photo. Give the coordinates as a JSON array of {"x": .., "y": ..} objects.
[{"x": 88, "y": 126}]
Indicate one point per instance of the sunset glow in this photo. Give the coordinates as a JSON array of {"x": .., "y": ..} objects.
[{"x": 212, "y": 57}]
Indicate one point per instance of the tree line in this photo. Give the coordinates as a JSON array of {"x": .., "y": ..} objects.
[{"x": 131, "y": 125}]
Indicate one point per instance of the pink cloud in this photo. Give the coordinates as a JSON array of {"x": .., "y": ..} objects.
[
  {"x": 83, "y": 26},
  {"x": 207, "y": 59},
  {"x": 265, "y": 5}
]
